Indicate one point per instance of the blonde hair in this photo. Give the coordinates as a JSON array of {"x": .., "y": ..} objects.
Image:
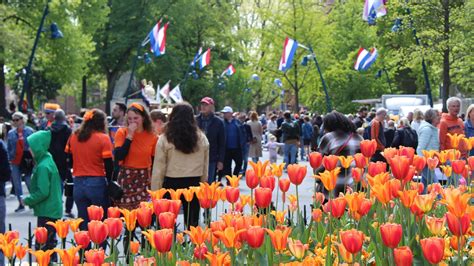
[
  {"x": 469, "y": 110},
  {"x": 417, "y": 115},
  {"x": 253, "y": 116}
]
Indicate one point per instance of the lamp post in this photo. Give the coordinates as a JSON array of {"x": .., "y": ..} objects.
[{"x": 247, "y": 89}]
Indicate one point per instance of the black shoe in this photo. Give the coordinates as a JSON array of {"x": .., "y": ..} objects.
[
  {"x": 70, "y": 215},
  {"x": 20, "y": 208}
]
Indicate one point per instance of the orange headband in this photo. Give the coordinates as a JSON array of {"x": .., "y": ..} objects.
[
  {"x": 137, "y": 106},
  {"x": 88, "y": 115}
]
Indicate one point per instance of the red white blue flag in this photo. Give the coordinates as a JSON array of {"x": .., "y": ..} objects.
[
  {"x": 193, "y": 63},
  {"x": 373, "y": 9},
  {"x": 205, "y": 59},
  {"x": 289, "y": 49},
  {"x": 365, "y": 59},
  {"x": 158, "y": 39},
  {"x": 229, "y": 71}
]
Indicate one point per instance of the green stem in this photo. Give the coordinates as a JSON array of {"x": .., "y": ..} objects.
[
  {"x": 276, "y": 204},
  {"x": 129, "y": 254},
  {"x": 187, "y": 217},
  {"x": 298, "y": 205},
  {"x": 251, "y": 201}
]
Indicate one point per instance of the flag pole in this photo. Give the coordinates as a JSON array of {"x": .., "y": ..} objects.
[{"x": 328, "y": 100}]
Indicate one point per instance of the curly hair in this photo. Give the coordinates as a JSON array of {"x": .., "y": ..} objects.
[
  {"x": 335, "y": 121},
  {"x": 96, "y": 124},
  {"x": 181, "y": 129},
  {"x": 145, "y": 116}
]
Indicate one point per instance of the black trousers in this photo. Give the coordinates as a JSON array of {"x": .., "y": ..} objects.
[
  {"x": 52, "y": 241},
  {"x": 194, "y": 208},
  {"x": 232, "y": 155}
]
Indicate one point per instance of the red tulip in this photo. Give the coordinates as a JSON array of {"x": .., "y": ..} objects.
[
  {"x": 232, "y": 194},
  {"x": 255, "y": 236},
  {"x": 284, "y": 184},
  {"x": 114, "y": 226},
  {"x": 95, "y": 256},
  {"x": 458, "y": 166},
  {"x": 336, "y": 207},
  {"x": 41, "y": 235},
  {"x": 144, "y": 216},
  {"x": 113, "y": 212},
  {"x": 357, "y": 174},
  {"x": 315, "y": 159},
  {"x": 167, "y": 220},
  {"x": 368, "y": 147},
  {"x": 400, "y": 166},
  {"x": 95, "y": 213},
  {"x": 391, "y": 234},
  {"x": 263, "y": 197},
  {"x": 419, "y": 162},
  {"x": 160, "y": 205},
  {"x": 377, "y": 168},
  {"x": 296, "y": 173},
  {"x": 98, "y": 231},
  {"x": 200, "y": 251},
  {"x": 410, "y": 174},
  {"x": 433, "y": 249},
  {"x": 360, "y": 160},
  {"x": 175, "y": 206},
  {"x": 403, "y": 256},
  {"x": 163, "y": 239},
  {"x": 470, "y": 162},
  {"x": 330, "y": 162},
  {"x": 352, "y": 240},
  {"x": 364, "y": 207},
  {"x": 408, "y": 152},
  {"x": 251, "y": 179},
  {"x": 458, "y": 226},
  {"x": 268, "y": 182},
  {"x": 82, "y": 239}
]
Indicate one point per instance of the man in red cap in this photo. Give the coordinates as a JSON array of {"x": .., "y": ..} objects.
[{"x": 213, "y": 127}]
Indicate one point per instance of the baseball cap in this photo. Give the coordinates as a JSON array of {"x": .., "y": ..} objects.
[
  {"x": 207, "y": 100},
  {"x": 227, "y": 109}
]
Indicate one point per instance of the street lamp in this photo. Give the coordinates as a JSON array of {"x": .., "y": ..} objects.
[
  {"x": 247, "y": 89},
  {"x": 55, "y": 34}
]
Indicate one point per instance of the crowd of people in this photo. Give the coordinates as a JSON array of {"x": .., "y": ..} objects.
[{"x": 79, "y": 156}]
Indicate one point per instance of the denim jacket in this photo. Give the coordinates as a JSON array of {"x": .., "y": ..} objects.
[
  {"x": 13, "y": 138},
  {"x": 469, "y": 132}
]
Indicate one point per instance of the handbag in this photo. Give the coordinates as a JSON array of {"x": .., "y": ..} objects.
[
  {"x": 114, "y": 190},
  {"x": 27, "y": 163}
]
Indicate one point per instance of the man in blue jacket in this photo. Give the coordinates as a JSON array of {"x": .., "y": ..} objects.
[
  {"x": 5, "y": 174},
  {"x": 234, "y": 144},
  {"x": 213, "y": 127}
]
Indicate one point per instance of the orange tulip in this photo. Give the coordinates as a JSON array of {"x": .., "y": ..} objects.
[
  {"x": 395, "y": 187},
  {"x": 82, "y": 239},
  {"x": 98, "y": 231},
  {"x": 208, "y": 194},
  {"x": 229, "y": 236},
  {"x": 268, "y": 182},
  {"x": 232, "y": 194},
  {"x": 458, "y": 226},
  {"x": 352, "y": 240},
  {"x": 95, "y": 256},
  {"x": 130, "y": 218},
  {"x": 391, "y": 234},
  {"x": 381, "y": 178},
  {"x": 319, "y": 197},
  {"x": 259, "y": 168},
  {"x": 12, "y": 235},
  {"x": 457, "y": 242},
  {"x": 62, "y": 228},
  {"x": 68, "y": 257},
  {"x": 75, "y": 223},
  {"x": 368, "y": 147},
  {"x": 419, "y": 162},
  {"x": 174, "y": 194},
  {"x": 277, "y": 169},
  {"x": 435, "y": 225},
  {"x": 42, "y": 257},
  {"x": 188, "y": 194},
  {"x": 163, "y": 239},
  {"x": 425, "y": 202},
  {"x": 279, "y": 237},
  {"x": 432, "y": 163},
  {"x": 360, "y": 160},
  {"x": 297, "y": 248},
  {"x": 456, "y": 201},
  {"x": 315, "y": 159},
  {"x": 284, "y": 184},
  {"x": 407, "y": 197},
  {"x": 113, "y": 212},
  {"x": 382, "y": 192},
  {"x": 149, "y": 236},
  {"x": 245, "y": 199},
  {"x": 454, "y": 139},
  {"x": 403, "y": 256},
  {"x": 357, "y": 174},
  {"x": 336, "y": 207},
  {"x": 447, "y": 170},
  {"x": 296, "y": 173},
  {"x": 134, "y": 247},
  {"x": 433, "y": 249},
  {"x": 400, "y": 166},
  {"x": 167, "y": 220},
  {"x": 217, "y": 259},
  {"x": 142, "y": 261},
  {"x": 470, "y": 162},
  {"x": 251, "y": 179},
  {"x": 198, "y": 235},
  {"x": 8, "y": 248},
  {"x": 157, "y": 194},
  {"x": 317, "y": 215},
  {"x": 114, "y": 226},
  {"x": 408, "y": 152},
  {"x": 329, "y": 178},
  {"x": 354, "y": 201},
  {"x": 279, "y": 216},
  {"x": 377, "y": 168},
  {"x": 41, "y": 235},
  {"x": 263, "y": 197},
  {"x": 144, "y": 216},
  {"x": 233, "y": 180},
  {"x": 20, "y": 251},
  {"x": 389, "y": 153},
  {"x": 458, "y": 166},
  {"x": 95, "y": 213},
  {"x": 346, "y": 256},
  {"x": 330, "y": 162}
]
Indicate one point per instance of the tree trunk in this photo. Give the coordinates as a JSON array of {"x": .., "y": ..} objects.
[
  {"x": 446, "y": 65},
  {"x": 84, "y": 92},
  {"x": 111, "y": 80},
  {"x": 3, "y": 87}
]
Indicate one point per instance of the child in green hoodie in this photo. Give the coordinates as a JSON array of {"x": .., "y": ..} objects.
[{"x": 45, "y": 189}]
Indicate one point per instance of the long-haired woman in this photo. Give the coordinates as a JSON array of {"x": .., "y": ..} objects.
[
  {"x": 134, "y": 149},
  {"x": 91, "y": 151},
  {"x": 181, "y": 157},
  {"x": 255, "y": 149}
]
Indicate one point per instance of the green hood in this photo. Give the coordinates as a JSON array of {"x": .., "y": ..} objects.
[{"x": 39, "y": 143}]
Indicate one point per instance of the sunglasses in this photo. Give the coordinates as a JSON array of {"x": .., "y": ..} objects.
[{"x": 16, "y": 120}]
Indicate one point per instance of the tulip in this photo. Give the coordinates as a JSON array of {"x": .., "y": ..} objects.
[
  {"x": 357, "y": 174},
  {"x": 346, "y": 256},
  {"x": 407, "y": 197},
  {"x": 142, "y": 261},
  {"x": 315, "y": 159},
  {"x": 317, "y": 215},
  {"x": 352, "y": 240},
  {"x": 403, "y": 256},
  {"x": 391, "y": 234},
  {"x": 458, "y": 226},
  {"x": 62, "y": 228},
  {"x": 163, "y": 239},
  {"x": 41, "y": 235},
  {"x": 144, "y": 216},
  {"x": 82, "y": 239},
  {"x": 458, "y": 166},
  {"x": 12, "y": 235},
  {"x": 433, "y": 249},
  {"x": 277, "y": 169},
  {"x": 200, "y": 251},
  {"x": 419, "y": 162},
  {"x": 329, "y": 178},
  {"x": 435, "y": 188},
  {"x": 95, "y": 256},
  {"x": 229, "y": 236},
  {"x": 20, "y": 251},
  {"x": 457, "y": 242},
  {"x": 208, "y": 194},
  {"x": 167, "y": 220},
  {"x": 296, "y": 173},
  {"x": 75, "y": 223},
  {"x": 175, "y": 206},
  {"x": 217, "y": 259},
  {"x": 268, "y": 182},
  {"x": 395, "y": 187},
  {"x": 95, "y": 213},
  {"x": 130, "y": 218},
  {"x": 330, "y": 162},
  {"x": 454, "y": 139},
  {"x": 98, "y": 231},
  {"x": 233, "y": 180},
  {"x": 68, "y": 257},
  {"x": 284, "y": 184},
  {"x": 336, "y": 207},
  {"x": 134, "y": 247},
  {"x": 157, "y": 194},
  {"x": 279, "y": 237},
  {"x": 251, "y": 179},
  {"x": 360, "y": 160},
  {"x": 297, "y": 248},
  {"x": 114, "y": 226},
  {"x": 259, "y": 168},
  {"x": 188, "y": 194},
  {"x": 364, "y": 207},
  {"x": 174, "y": 194},
  {"x": 8, "y": 249},
  {"x": 232, "y": 194},
  {"x": 382, "y": 192},
  {"x": 400, "y": 166},
  {"x": 408, "y": 152},
  {"x": 263, "y": 197},
  {"x": 435, "y": 225},
  {"x": 197, "y": 235},
  {"x": 368, "y": 147},
  {"x": 470, "y": 162},
  {"x": 319, "y": 197},
  {"x": 456, "y": 201},
  {"x": 410, "y": 174},
  {"x": 425, "y": 202},
  {"x": 389, "y": 153},
  {"x": 42, "y": 257},
  {"x": 161, "y": 205},
  {"x": 354, "y": 201},
  {"x": 377, "y": 168},
  {"x": 255, "y": 236},
  {"x": 432, "y": 163},
  {"x": 113, "y": 212}
]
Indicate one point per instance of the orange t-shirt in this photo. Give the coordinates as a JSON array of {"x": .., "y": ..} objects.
[
  {"x": 88, "y": 156},
  {"x": 141, "y": 149},
  {"x": 20, "y": 146}
]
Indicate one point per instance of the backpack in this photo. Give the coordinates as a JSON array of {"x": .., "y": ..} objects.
[
  {"x": 410, "y": 138},
  {"x": 367, "y": 131},
  {"x": 292, "y": 130}
]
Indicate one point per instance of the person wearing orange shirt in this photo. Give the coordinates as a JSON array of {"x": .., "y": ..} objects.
[
  {"x": 134, "y": 149},
  {"x": 92, "y": 164},
  {"x": 450, "y": 123}
]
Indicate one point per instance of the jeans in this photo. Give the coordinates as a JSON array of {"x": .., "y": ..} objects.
[
  {"x": 16, "y": 181},
  {"x": 427, "y": 178},
  {"x": 212, "y": 172},
  {"x": 89, "y": 191},
  {"x": 302, "y": 152},
  {"x": 290, "y": 151},
  {"x": 245, "y": 157},
  {"x": 232, "y": 155},
  {"x": 3, "y": 214}
]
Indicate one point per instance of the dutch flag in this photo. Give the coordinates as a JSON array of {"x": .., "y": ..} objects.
[
  {"x": 158, "y": 39},
  {"x": 205, "y": 59},
  {"x": 365, "y": 59},
  {"x": 373, "y": 9},
  {"x": 289, "y": 49},
  {"x": 229, "y": 71},
  {"x": 193, "y": 63}
]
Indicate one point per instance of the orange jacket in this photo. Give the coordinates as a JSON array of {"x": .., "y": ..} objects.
[{"x": 449, "y": 124}]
